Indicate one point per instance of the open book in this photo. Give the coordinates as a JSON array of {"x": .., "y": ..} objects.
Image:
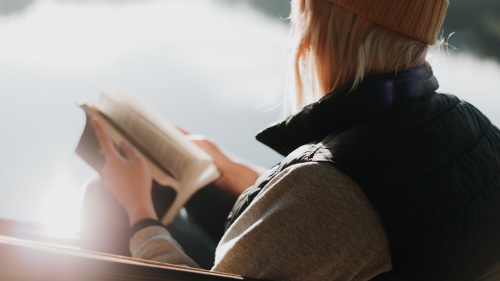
[{"x": 175, "y": 161}]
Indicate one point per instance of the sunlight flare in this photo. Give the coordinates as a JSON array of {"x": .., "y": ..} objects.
[{"x": 60, "y": 210}]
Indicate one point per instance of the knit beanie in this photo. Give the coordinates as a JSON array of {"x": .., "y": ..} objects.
[{"x": 418, "y": 19}]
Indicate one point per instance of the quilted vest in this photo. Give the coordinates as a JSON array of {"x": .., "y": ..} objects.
[{"x": 428, "y": 162}]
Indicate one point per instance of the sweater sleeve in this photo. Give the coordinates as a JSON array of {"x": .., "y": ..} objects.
[
  {"x": 311, "y": 222},
  {"x": 155, "y": 243}
]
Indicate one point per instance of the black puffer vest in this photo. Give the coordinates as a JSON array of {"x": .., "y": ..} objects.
[{"x": 428, "y": 162}]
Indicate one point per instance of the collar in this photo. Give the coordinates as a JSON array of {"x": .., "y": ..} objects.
[{"x": 343, "y": 107}]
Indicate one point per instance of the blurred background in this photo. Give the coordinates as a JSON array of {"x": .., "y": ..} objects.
[{"x": 215, "y": 67}]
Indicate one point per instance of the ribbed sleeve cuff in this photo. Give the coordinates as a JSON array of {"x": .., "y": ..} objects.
[{"x": 143, "y": 224}]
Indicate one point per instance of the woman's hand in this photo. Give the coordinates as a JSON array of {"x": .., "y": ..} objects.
[
  {"x": 236, "y": 176},
  {"x": 126, "y": 176}
]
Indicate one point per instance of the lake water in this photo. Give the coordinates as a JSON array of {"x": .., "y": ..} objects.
[{"x": 216, "y": 69}]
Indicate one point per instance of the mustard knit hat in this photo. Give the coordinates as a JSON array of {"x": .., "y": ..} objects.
[{"x": 418, "y": 19}]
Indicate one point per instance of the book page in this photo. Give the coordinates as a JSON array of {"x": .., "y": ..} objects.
[
  {"x": 89, "y": 148},
  {"x": 161, "y": 139},
  {"x": 174, "y": 160}
]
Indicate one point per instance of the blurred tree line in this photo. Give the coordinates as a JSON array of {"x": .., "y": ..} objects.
[
  {"x": 474, "y": 25},
  {"x": 470, "y": 25}
]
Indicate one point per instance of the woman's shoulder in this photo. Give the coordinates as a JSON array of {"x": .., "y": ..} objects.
[
  {"x": 315, "y": 178},
  {"x": 317, "y": 194},
  {"x": 310, "y": 221}
]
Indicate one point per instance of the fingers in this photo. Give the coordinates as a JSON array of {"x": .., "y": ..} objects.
[
  {"x": 196, "y": 138},
  {"x": 105, "y": 140},
  {"x": 128, "y": 151},
  {"x": 202, "y": 141},
  {"x": 182, "y": 130},
  {"x": 125, "y": 150}
]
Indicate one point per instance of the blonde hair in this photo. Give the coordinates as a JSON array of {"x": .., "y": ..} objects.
[{"x": 333, "y": 46}]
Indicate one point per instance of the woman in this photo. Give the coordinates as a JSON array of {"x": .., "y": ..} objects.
[{"x": 383, "y": 178}]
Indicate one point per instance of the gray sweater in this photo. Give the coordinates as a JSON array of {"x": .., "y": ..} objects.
[{"x": 311, "y": 222}]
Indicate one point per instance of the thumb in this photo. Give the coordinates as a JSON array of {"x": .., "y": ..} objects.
[{"x": 128, "y": 151}]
